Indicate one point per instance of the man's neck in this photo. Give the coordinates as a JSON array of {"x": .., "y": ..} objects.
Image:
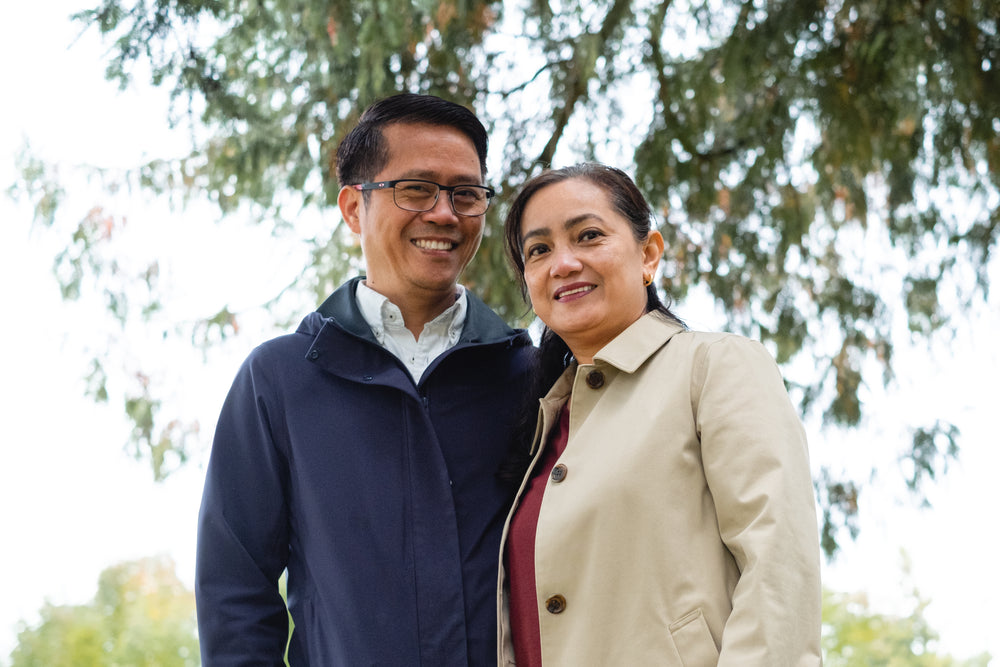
[{"x": 419, "y": 309}]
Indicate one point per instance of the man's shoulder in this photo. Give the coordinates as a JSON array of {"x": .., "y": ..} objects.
[
  {"x": 484, "y": 325},
  {"x": 291, "y": 344}
]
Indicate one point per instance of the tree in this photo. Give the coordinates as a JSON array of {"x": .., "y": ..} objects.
[
  {"x": 855, "y": 636},
  {"x": 142, "y": 615},
  {"x": 820, "y": 169}
]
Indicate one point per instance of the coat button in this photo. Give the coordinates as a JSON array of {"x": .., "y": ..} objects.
[
  {"x": 595, "y": 379},
  {"x": 314, "y": 354},
  {"x": 559, "y": 472},
  {"x": 555, "y": 604}
]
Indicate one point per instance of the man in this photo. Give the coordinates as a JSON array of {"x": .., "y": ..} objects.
[{"x": 360, "y": 452}]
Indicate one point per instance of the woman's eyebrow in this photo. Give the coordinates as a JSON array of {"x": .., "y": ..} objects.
[
  {"x": 570, "y": 223},
  {"x": 541, "y": 231}
]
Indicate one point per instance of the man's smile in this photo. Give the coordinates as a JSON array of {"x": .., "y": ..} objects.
[{"x": 428, "y": 244}]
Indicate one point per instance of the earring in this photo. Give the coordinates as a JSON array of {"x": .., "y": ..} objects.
[{"x": 646, "y": 280}]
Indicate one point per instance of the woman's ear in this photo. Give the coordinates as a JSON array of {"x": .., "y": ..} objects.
[{"x": 652, "y": 251}]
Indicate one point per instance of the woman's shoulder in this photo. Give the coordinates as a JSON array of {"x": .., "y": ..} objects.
[
  {"x": 722, "y": 354},
  {"x": 720, "y": 345},
  {"x": 708, "y": 338}
]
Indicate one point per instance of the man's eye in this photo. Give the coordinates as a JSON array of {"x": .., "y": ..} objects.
[
  {"x": 470, "y": 194},
  {"x": 417, "y": 189}
]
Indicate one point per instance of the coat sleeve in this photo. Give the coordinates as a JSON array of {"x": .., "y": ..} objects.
[
  {"x": 757, "y": 468},
  {"x": 243, "y": 533}
]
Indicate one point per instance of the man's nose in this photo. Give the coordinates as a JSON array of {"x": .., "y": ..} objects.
[{"x": 442, "y": 212}]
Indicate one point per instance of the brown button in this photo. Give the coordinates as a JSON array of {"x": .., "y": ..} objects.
[
  {"x": 559, "y": 472},
  {"x": 595, "y": 379},
  {"x": 555, "y": 604}
]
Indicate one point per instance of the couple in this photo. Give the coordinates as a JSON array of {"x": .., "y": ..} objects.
[{"x": 663, "y": 511}]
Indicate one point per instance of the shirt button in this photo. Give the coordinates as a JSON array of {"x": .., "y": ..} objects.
[
  {"x": 555, "y": 604},
  {"x": 559, "y": 473},
  {"x": 595, "y": 379}
]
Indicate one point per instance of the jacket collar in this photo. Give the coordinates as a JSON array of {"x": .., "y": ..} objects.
[
  {"x": 632, "y": 347},
  {"x": 626, "y": 352},
  {"x": 482, "y": 325},
  {"x": 338, "y": 326},
  {"x": 342, "y": 308}
]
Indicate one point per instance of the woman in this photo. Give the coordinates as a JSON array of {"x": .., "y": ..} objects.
[{"x": 667, "y": 514}]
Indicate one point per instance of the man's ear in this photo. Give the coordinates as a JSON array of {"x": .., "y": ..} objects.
[{"x": 350, "y": 202}]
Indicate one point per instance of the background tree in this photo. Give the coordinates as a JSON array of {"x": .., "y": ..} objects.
[
  {"x": 821, "y": 169},
  {"x": 142, "y": 615},
  {"x": 856, "y": 636}
]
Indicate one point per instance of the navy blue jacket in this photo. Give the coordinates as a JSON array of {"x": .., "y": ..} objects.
[{"x": 378, "y": 495}]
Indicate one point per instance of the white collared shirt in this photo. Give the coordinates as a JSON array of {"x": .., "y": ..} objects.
[{"x": 386, "y": 322}]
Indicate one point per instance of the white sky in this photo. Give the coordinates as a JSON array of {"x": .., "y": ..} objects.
[{"x": 74, "y": 503}]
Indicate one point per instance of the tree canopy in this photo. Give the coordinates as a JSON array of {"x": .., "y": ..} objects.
[
  {"x": 142, "y": 615},
  {"x": 856, "y": 636},
  {"x": 824, "y": 170}
]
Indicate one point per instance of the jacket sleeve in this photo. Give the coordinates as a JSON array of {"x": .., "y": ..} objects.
[
  {"x": 243, "y": 534},
  {"x": 757, "y": 468}
]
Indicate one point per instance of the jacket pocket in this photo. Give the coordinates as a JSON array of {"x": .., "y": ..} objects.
[{"x": 693, "y": 640}]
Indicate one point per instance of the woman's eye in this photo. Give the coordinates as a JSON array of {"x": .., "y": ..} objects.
[
  {"x": 535, "y": 250},
  {"x": 590, "y": 235}
]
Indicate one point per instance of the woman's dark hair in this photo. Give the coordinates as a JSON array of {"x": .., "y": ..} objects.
[
  {"x": 364, "y": 152},
  {"x": 554, "y": 354}
]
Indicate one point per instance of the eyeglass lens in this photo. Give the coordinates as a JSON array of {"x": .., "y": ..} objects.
[{"x": 421, "y": 196}]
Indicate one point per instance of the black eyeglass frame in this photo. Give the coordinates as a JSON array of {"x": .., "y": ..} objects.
[{"x": 450, "y": 189}]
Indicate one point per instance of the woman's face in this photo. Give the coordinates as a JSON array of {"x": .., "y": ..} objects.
[{"x": 583, "y": 267}]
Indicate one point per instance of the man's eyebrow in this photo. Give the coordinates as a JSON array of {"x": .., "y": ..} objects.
[
  {"x": 567, "y": 225},
  {"x": 461, "y": 179}
]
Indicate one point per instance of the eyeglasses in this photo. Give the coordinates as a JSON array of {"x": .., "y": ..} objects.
[{"x": 414, "y": 194}]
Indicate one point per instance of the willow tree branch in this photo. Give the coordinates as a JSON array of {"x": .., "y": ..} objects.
[{"x": 579, "y": 71}]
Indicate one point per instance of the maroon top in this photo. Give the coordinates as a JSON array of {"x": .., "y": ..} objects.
[{"x": 520, "y": 552}]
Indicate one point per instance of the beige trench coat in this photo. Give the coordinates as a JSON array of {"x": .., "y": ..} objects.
[{"x": 682, "y": 529}]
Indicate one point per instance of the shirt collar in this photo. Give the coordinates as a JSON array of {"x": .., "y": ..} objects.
[{"x": 380, "y": 313}]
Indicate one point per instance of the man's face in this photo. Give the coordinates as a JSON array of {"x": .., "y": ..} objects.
[{"x": 417, "y": 255}]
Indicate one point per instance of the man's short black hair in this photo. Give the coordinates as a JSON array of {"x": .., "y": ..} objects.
[{"x": 363, "y": 152}]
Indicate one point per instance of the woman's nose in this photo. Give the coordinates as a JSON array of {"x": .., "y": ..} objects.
[{"x": 564, "y": 262}]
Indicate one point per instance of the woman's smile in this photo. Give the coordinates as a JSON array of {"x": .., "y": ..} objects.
[{"x": 570, "y": 292}]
